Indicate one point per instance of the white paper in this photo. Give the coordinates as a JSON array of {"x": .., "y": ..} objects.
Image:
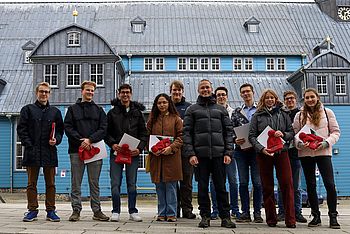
[
  {"x": 103, "y": 152},
  {"x": 307, "y": 129},
  {"x": 131, "y": 141},
  {"x": 154, "y": 139},
  {"x": 243, "y": 132},
  {"x": 262, "y": 138}
]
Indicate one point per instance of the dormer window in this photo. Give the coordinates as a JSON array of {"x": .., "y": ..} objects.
[
  {"x": 27, "y": 48},
  {"x": 73, "y": 38},
  {"x": 138, "y": 25},
  {"x": 323, "y": 46},
  {"x": 252, "y": 25}
]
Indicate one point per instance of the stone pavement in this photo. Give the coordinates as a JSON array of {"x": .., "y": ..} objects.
[{"x": 11, "y": 214}]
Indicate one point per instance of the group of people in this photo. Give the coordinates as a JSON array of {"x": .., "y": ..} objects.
[{"x": 204, "y": 143}]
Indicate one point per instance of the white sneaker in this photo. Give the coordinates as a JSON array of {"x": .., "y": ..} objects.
[
  {"x": 115, "y": 217},
  {"x": 135, "y": 217}
]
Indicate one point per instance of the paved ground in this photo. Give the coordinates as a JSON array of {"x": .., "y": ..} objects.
[{"x": 11, "y": 214}]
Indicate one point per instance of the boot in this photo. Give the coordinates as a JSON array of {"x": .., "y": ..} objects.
[
  {"x": 333, "y": 223},
  {"x": 204, "y": 223},
  {"x": 227, "y": 223},
  {"x": 316, "y": 221}
]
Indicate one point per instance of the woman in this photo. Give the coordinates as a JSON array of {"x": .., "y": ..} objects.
[
  {"x": 270, "y": 112},
  {"x": 323, "y": 121},
  {"x": 165, "y": 164}
]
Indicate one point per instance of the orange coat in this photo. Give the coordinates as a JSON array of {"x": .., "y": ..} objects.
[{"x": 167, "y": 168}]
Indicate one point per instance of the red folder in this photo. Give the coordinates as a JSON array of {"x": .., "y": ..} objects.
[{"x": 53, "y": 129}]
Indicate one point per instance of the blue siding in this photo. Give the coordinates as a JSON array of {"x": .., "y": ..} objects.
[
  {"x": 259, "y": 63},
  {"x": 125, "y": 62},
  {"x": 171, "y": 63},
  {"x": 293, "y": 63},
  {"x": 5, "y": 152},
  {"x": 226, "y": 63},
  {"x": 137, "y": 64}
]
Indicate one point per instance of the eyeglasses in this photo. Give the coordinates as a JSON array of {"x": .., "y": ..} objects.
[
  {"x": 125, "y": 92},
  {"x": 44, "y": 91},
  {"x": 289, "y": 98},
  {"x": 221, "y": 95}
]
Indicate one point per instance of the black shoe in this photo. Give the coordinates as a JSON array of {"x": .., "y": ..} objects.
[
  {"x": 300, "y": 218},
  {"x": 333, "y": 223},
  {"x": 204, "y": 223},
  {"x": 280, "y": 217},
  {"x": 189, "y": 215},
  {"x": 316, "y": 221},
  {"x": 291, "y": 226},
  {"x": 244, "y": 218},
  {"x": 258, "y": 219},
  {"x": 271, "y": 224},
  {"x": 227, "y": 223}
]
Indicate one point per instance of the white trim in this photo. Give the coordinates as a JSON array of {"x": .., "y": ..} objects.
[
  {"x": 278, "y": 64},
  {"x": 322, "y": 85},
  {"x": 205, "y": 64},
  {"x": 75, "y": 38},
  {"x": 340, "y": 85},
  {"x": 50, "y": 75},
  {"x": 194, "y": 64},
  {"x": 245, "y": 64},
  {"x": 182, "y": 64},
  {"x": 151, "y": 64},
  {"x": 270, "y": 62},
  {"x": 215, "y": 64},
  {"x": 97, "y": 74},
  {"x": 73, "y": 74},
  {"x": 239, "y": 64}
]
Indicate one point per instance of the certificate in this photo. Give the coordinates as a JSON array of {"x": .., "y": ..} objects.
[
  {"x": 102, "y": 154},
  {"x": 243, "y": 132},
  {"x": 131, "y": 141}
]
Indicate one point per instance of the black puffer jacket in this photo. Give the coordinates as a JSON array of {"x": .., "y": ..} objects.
[
  {"x": 84, "y": 120},
  {"x": 278, "y": 119},
  {"x": 207, "y": 130},
  {"x": 34, "y": 129},
  {"x": 131, "y": 122}
]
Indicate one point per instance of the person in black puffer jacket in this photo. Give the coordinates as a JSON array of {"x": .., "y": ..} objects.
[{"x": 208, "y": 146}]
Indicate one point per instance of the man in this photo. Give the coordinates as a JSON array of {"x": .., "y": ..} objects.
[
  {"x": 85, "y": 123},
  {"x": 40, "y": 129},
  {"x": 221, "y": 94},
  {"x": 290, "y": 100},
  {"x": 246, "y": 158},
  {"x": 184, "y": 194},
  {"x": 125, "y": 117},
  {"x": 208, "y": 147}
]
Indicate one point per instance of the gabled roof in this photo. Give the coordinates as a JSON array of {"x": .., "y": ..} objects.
[
  {"x": 329, "y": 52},
  {"x": 29, "y": 45},
  {"x": 251, "y": 20},
  {"x": 138, "y": 20}
]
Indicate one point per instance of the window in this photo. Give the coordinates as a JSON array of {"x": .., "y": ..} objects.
[
  {"x": 248, "y": 64},
  {"x": 148, "y": 64},
  {"x": 281, "y": 64},
  {"x": 237, "y": 64},
  {"x": 181, "y": 64},
  {"x": 193, "y": 64},
  {"x": 215, "y": 64},
  {"x": 204, "y": 64},
  {"x": 50, "y": 75},
  {"x": 321, "y": 83},
  {"x": 19, "y": 153},
  {"x": 26, "y": 56},
  {"x": 74, "y": 39},
  {"x": 96, "y": 74},
  {"x": 340, "y": 85},
  {"x": 137, "y": 28},
  {"x": 270, "y": 64},
  {"x": 253, "y": 28},
  {"x": 73, "y": 74},
  {"x": 159, "y": 64}
]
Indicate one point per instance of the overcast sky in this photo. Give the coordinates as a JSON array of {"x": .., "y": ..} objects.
[{"x": 74, "y": 1}]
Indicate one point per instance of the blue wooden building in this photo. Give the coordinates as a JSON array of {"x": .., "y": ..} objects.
[{"x": 273, "y": 44}]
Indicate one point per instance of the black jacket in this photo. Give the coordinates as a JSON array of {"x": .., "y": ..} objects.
[
  {"x": 207, "y": 130},
  {"x": 131, "y": 122},
  {"x": 182, "y": 106},
  {"x": 84, "y": 120},
  {"x": 278, "y": 119},
  {"x": 34, "y": 129}
]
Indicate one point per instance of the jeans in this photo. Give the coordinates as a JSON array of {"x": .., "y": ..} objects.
[
  {"x": 296, "y": 174},
  {"x": 167, "y": 199},
  {"x": 77, "y": 172},
  {"x": 116, "y": 175},
  {"x": 324, "y": 164},
  {"x": 32, "y": 192},
  {"x": 231, "y": 172},
  {"x": 246, "y": 160},
  {"x": 216, "y": 168}
]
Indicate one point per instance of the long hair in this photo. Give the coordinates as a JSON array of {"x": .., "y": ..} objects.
[
  {"x": 314, "y": 114},
  {"x": 155, "y": 111},
  {"x": 261, "y": 103}
]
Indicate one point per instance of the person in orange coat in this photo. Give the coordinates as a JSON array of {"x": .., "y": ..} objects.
[{"x": 165, "y": 164}]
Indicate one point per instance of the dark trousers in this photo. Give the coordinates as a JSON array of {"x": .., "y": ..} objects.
[
  {"x": 324, "y": 164},
  {"x": 284, "y": 177},
  {"x": 216, "y": 168},
  {"x": 32, "y": 193},
  {"x": 184, "y": 190}
]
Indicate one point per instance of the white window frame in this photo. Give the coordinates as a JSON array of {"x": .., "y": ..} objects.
[
  {"x": 215, "y": 64},
  {"x": 74, "y": 75},
  {"x": 48, "y": 77},
  {"x": 270, "y": 64},
  {"x": 253, "y": 28},
  {"x": 159, "y": 64},
  {"x": 193, "y": 64},
  {"x": 281, "y": 64},
  {"x": 248, "y": 64},
  {"x": 340, "y": 82},
  {"x": 148, "y": 64},
  {"x": 96, "y": 75},
  {"x": 137, "y": 28},
  {"x": 182, "y": 64},
  {"x": 322, "y": 85},
  {"x": 204, "y": 64},
  {"x": 26, "y": 56},
  {"x": 237, "y": 64},
  {"x": 18, "y": 147},
  {"x": 73, "y": 38}
]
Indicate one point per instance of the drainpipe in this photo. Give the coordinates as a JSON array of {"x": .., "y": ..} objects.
[
  {"x": 9, "y": 116},
  {"x": 129, "y": 65}
]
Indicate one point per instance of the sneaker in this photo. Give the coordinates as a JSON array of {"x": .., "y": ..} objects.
[
  {"x": 115, "y": 217},
  {"x": 160, "y": 218},
  {"x": 280, "y": 217},
  {"x": 316, "y": 221},
  {"x": 244, "y": 218},
  {"x": 98, "y": 215},
  {"x": 171, "y": 219},
  {"x": 214, "y": 216},
  {"x": 135, "y": 217},
  {"x": 31, "y": 216},
  {"x": 75, "y": 216},
  {"x": 189, "y": 215},
  {"x": 227, "y": 223},
  {"x": 204, "y": 223},
  {"x": 52, "y": 216},
  {"x": 258, "y": 219},
  {"x": 300, "y": 218}
]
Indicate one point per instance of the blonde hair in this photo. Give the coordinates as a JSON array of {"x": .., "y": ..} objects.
[
  {"x": 261, "y": 103},
  {"x": 87, "y": 82},
  {"x": 47, "y": 85}
]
